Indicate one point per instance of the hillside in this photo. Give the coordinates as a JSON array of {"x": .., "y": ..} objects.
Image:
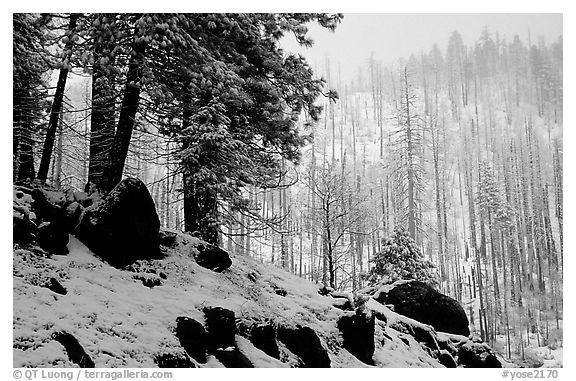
[{"x": 120, "y": 322}]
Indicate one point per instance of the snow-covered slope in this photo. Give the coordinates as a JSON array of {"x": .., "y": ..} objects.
[{"x": 120, "y": 322}]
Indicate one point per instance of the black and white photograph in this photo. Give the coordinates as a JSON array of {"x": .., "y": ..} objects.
[{"x": 286, "y": 190}]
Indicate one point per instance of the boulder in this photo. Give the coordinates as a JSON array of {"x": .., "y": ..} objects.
[
  {"x": 325, "y": 290},
  {"x": 446, "y": 359},
  {"x": 221, "y": 327},
  {"x": 213, "y": 258},
  {"x": 426, "y": 335},
  {"x": 55, "y": 286},
  {"x": 173, "y": 360},
  {"x": 167, "y": 237},
  {"x": 263, "y": 337},
  {"x": 477, "y": 355},
  {"x": 421, "y": 302},
  {"x": 192, "y": 337},
  {"x": 53, "y": 237},
  {"x": 49, "y": 205},
  {"x": 24, "y": 219},
  {"x": 305, "y": 343},
  {"x": 23, "y": 228},
  {"x": 358, "y": 334},
  {"x": 231, "y": 357},
  {"x": 123, "y": 227},
  {"x": 75, "y": 351}
]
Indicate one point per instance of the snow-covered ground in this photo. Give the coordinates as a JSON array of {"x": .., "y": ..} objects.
[{"x": 122, "y": 323}]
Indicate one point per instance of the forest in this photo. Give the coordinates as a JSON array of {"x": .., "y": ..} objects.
[{"x": 446, "y": 166}]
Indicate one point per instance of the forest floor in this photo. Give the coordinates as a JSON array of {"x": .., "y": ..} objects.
[{"x": 122, "y": 323}]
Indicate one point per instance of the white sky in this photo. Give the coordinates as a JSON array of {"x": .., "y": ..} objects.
[{"x": 392, "y": 36}]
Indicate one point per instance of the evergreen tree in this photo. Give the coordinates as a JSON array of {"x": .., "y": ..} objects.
[
  {"x": 31, "y": 62},
  {"x": 400, "y": 258}
]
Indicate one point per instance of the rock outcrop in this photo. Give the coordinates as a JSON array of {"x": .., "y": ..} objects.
[
  {"x": 213, "y": 258},
  {"x": 305, "y": 343},
  {"x": 122, "y": 227},
  {"x": 75, "y": 351},
  {"x": 193, "y": 338},
  {"x": 358, "y": 334},
  {"x": 421, "y": 302}
]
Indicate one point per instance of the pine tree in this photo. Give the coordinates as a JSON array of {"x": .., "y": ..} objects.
[{"x": 400, "y": 258}]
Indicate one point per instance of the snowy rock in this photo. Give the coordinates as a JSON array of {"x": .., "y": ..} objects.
[
  {"x": 263, "y": 337},
  {"x": 278, "y": 290},
  {"x": 305, "y": 343},
  {"x": 221, "y": 327},
  {"x": 446, "y": 359},
  {"x": 173, "y": 360},
  {"x": 231, "y": 357},
  {"x": 56, "y": 286},
  {"x": 421, "y": 302},
  {"x": 53, "y": 237},
  {"x": 49, "y": 205},
  {"x": 325, "y": 290},
  {"x": 74, "y": 350},
  {"x": 167, "y": 237},
  {"x": 193, "y": 338},
  {"x": 343, "y": 304},
  {"x": 123, "y": 227},
  {"x": 477, "y": 355},
  {"x": 23, "y": 229},
  {"x": 358, "y": 334},
  {"x": 213, "y": 258},
  {"x": 24, "y": 219},
  {"x": 343, "y": 301}
]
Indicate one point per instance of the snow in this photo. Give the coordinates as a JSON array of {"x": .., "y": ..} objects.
[{"x": 121, "y": 323}]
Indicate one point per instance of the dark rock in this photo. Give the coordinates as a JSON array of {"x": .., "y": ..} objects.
[
  {"x": 167, "y": 237},
  {"x": 446, "y": 359},
  {"x": 405, "y": 340},
  {"x": 193, "y": 337},
  {"x": 49, "y": 205},
  {"x": 82, "y": 198},
  {"x": 163, "y": 275},
  {"x": 476, "y": 355},
  {"x": 221, "y": 327},
  {"x": 56, "y": 287},
  {"x": 325, "y": 290},
  {"x": 23, "y": 229},
  {"x": 232, "y": 358},
  {"x": 448, "y": 346},
  {"x": 278, "y": 290},
  {"x": 53, "y": 237},
  {"x": 213, "y": 258},
  {"x": 263, "y": 337},
  {"x": 173, "y": 360},
  {"x": 305, "y": 343},
  {"x": 425, "y": 336},
  {"x": 358, "y": 334},
  {"x": 123, "y": 227},
  {"x": 421, "y": 302},
  {"x": 149, "y": 281},
  {"x": 75, "y": 351},
  {"x": 380, "y": 316}
]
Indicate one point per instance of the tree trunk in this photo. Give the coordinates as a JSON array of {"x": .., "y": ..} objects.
[
  {"x": 56, "y": 105},
  {"x": 127, "y": 117}
]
